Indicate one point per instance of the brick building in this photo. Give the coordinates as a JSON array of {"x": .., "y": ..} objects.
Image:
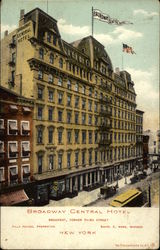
[{"x": 16, "y": 168}]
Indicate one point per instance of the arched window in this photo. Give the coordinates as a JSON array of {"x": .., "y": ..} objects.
[
  {"x": 76, "y": 87},
  {"x": 41, "y": 53},
  {"x": 51, "y": 58},
  {"x": 61, "y": 63}
]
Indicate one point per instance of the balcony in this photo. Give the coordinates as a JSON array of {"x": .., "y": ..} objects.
[
  {"x": 11, "y": 63},
  {"x": 104, "y": 142},
  {"x": 105, "y": 113},
  {"x": 104, "y": 126},
  {"x": 12, "y": 44},
  {"x": 106, "y": 87}
]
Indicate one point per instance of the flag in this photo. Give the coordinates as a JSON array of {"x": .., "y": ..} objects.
[
  {"x": 128, "y": 49},
  {"x": 97, "y": 14}
]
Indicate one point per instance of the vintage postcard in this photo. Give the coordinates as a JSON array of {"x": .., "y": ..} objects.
[{"x": 79, "y": 124}]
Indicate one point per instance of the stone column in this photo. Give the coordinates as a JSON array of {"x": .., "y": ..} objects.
[
  {"x": 81, "y": 182},
  {"x": 90, "y": 179},
  {"x": 98, "y": 176},
  {"x": 76, "y": 183},
  {"x": 70, "y": 186},
  {"x": 86, "y": 179},
  {"x": 95, "y": 177}
]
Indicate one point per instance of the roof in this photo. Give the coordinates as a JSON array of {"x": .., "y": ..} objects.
[{"x": 122, "y": 199}]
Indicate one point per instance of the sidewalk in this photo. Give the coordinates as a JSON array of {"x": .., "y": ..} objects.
[{"x": 84, "y": 197}]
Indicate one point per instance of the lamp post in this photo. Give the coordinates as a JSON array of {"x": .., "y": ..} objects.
[{"x": 149, "y": 180}]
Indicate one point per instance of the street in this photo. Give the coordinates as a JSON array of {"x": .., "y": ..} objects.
[{"x": 88, "y": 199}]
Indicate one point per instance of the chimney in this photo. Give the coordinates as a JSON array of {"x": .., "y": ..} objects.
[
  {"x": 117, "y": 70},
  {"x": 6, "y": 33},
  {"x": 21, "y": 13},
  {"x": 21, "y": 21}
]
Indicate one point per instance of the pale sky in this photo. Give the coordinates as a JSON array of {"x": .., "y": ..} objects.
[{"x": 74, "y": 22}]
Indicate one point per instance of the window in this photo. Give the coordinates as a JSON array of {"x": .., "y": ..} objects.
[
  {"x": 14, "y": 57},
  {"x": 1, "y": 149},
  {"x": 83, "y": 136},
  {"x": 76, "y": 87},
  {"x": 60, "y": 161},
  {"x": 12, "y": 127},
  {"x": 90, "y": 120},
  {"x": 40, "y": 111},
  {"x": 41, "y": 53},
  {"x": 50, "y": 135},
  {"x": 69, "y": 138},
  {"x": 76, "y": 158},
  {"x": 60, "y": 98},
  {"x": 83, "y": 103},
  {"x": 83, "y": 89},
  {"x": 83, "y": 157},
  {"x": 51, "y": 58},
  {"x": 13, "y": 175},
  {"x": 96, "y": 157},
  {"x": 54, "y": 40},
  {"x": 40, "y": 163},
  {"x": 50, "y": 78},
  {"x": 96, "y": 137},
  {"x": 50, "y": 95},
  {"x": 95, "y": 107},
  {"x": 50, "y": 114},
  {"x": 13, "y": 149},
  {"x": 40, "y": 75},
  {"x": 61, "y": 63},
  {"x": 60, "y": 115},
  {"x": 49, "y": 37},
  {"x": 59, "y": 137},
  {"x": 90, "y": 91},
  {"x": 12, "y": 76},
  {"x": 95, "y": 94},
  {"x": 90, "y": 157},
  {"x": 39, "y": 135},
  {"x": 76, "y": 118},
  {"x": 60, "y": 82},
  {"x": 76, "y": 101},
  {"x": 2, "y": 177},
  {"x": 89, "y": 105},
  {"x": 51, "y": 162},
  {"x": 83, "y": 118},
  {"x": 90, "y": 137},
  {"x": 26, "y": 173},
  {"x": 25, "y": 149},
  {"x": 1, "y": 123},
  {"x": 68, "y": 117},
  {"x": 68, "y": 84},
  {"x": 68, "y": 100},
  {"x": 69, "y": 160},
  {"x": 96, "y": 120},
  {"x": 76, "y": 136},
  {"x": 40, "y": 93}
]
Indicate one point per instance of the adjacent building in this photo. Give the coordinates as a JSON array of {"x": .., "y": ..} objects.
[
  {"x": 16, "y": 165},
  {"x": 86, "y": 127}
]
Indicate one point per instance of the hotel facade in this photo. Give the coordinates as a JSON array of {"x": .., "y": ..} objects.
[{"x": 84, "y": 118}]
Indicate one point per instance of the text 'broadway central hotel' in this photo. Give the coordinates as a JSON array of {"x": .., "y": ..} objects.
[{"x": 86, "y": 129}]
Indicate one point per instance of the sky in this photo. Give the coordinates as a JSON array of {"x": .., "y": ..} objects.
[{"x": 74, "y": 22}]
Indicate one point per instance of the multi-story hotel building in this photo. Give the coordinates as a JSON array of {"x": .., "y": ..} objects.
[{"x": 84, "y": 122}]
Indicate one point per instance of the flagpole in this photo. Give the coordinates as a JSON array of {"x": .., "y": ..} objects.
[
  {"x": 92, "y": 21},
  {"x": 122, "y": 58}
]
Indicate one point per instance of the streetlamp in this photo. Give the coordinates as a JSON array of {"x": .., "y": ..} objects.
[{"x": 149, "y": 180}]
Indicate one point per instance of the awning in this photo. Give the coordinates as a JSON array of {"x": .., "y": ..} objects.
[
  {"x": 13, "y": 107},
  {"x": 13, "y": 125},
  {"x": 26, "y": 147},
  {"x": 13, "y": 198},
  {"x": 25, "y": 127},
  {"x": 13, "y": 148},
  {"x": 26, "y": 109}
]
